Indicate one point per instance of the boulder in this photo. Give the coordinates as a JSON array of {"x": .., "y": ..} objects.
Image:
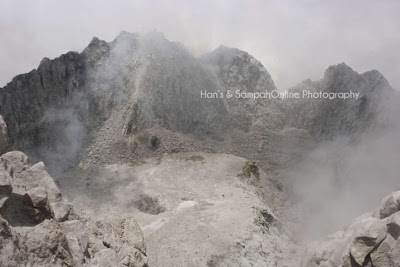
[
  {"x": 394, "y": 254},
  {"x": 393, "y": 225},
  {"x": 390, "y": 205},
  {"x": 105, "y": 258},
  {"x": 61, "y": 211},
  {"x": 10, "y": 252},
  {"x": 5, "y": 184},
  {"x": 348, "y": 261},
  {"x": 133, "y": 235},
  {"x": 37, "y": 205},
  {"x": 380, "y": 255},
  {"x": 132, "y": 257},
  {"x": 36, "y": 197},
  {"x": 15, "y": 162},
  {"x": 36, "y": 176},
  {"x": 77, "y": 240},
  {"x": 46, "y": 245},
  {"x": 373, "y": 231},
  {"x": 5, "y": 230},
  {"x": 121, "y": 235}
]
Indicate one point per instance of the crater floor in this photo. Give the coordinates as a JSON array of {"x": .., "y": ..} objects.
[{"x": 195, "y": 209}]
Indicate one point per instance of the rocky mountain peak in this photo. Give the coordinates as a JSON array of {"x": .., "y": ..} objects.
[
  {"x": 338, "y": 69},
  {"x": 95, "y": 50},
  {"x": 342, "y": 77},
  {"x": 330, "y": 118},
  {"x": 240, "y": 68}
]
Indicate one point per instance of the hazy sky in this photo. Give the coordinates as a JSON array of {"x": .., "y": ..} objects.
[{"x": 295, "y": 40}]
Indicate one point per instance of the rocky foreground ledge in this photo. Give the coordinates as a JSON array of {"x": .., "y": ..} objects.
[
  {"x": 38, "y": 228},
  {"x": 371, "y": 240}
]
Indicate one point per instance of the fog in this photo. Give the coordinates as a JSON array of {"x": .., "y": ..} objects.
[
  {"x": 344, "y": 178},
  {"x": 295, "y": 40},
  {"x": 65, "y": 137}
]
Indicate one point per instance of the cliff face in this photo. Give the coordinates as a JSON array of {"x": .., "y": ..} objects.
[
  {"x": 25, "y": 99},
  {"x": 326, "y": 118},
  {"x": 51, "y": 108},
  {"x": 151, "y": 81},
  {"x": 3, "y": 136}
]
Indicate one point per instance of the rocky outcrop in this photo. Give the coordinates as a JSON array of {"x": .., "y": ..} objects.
[
  {"x": 3, "y": 136},
  {"x": 5, "y": 185},
  {"x": 49, "y": 110},
  {"x": 372, "y": 240},
  {"x": 38, "y": 228}
]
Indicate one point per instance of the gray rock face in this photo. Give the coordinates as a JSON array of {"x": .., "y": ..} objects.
[
  {"x": 37, "y": 204},
  {"x": 394, "y": 254},
  {"x": 373, "y": 232},
  {"x": 37, "y": 197},
  {"x": 53, "y": 106},
  {"x": 61, "y": 211},
  {"x": 5, "y": 182},
  {"x": 25, "y": 99},
  {"x": 380, "y": 256},
  {"x": 390, "y": 205},
  {"x": 11, "y": 252},
  {"x": 105, "y": 257},
  {"x": 37, "y": 228},
  {"x": 15, "y": 162},
  {"x": 123, "y": 236},
  {"x": 3, "y": 136},
  {"x": 77, "y": 237},
  {"x": 393, "y": 225},
  {"x": 326, "y": 118},
  {"x": 46, "y": 245}
]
